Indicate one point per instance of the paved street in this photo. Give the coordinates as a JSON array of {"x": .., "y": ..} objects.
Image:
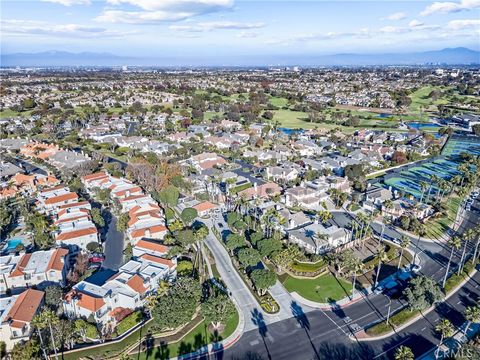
[
  {"x": 113, "y": 246},
  {"x": 301, "y": 332}
]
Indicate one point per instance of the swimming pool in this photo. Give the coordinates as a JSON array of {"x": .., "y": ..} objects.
[{"x": 12, "y": 244}]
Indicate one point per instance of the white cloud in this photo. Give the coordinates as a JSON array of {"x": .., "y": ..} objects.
[
  {"x": 415, "y": 23},
  {"x": 396, "y": 16},
  {"x": 154, "y": 11},
  {"x": 463, "y": 24},
  {"x": 216, "y": 25},
  {"x": 27, "y": 27},
  {"x": 446, "y": 7},
  {"x": 70, "y": 2},
  {"x": 247, "y": 34},
  {"x": 393, "y": 29}
]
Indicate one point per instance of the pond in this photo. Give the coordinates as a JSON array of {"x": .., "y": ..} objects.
[
  {"x": 384, "y": 115},
  {"x": 289, "y": 131},
  {"x": 423, "y": 126}
]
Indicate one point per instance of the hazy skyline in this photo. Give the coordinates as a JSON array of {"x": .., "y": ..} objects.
[{"x": 229, "y": 28}]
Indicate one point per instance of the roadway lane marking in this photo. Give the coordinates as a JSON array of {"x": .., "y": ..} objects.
[
  {"x": 254, "y": 342},
  {"x": 423, "y": 328},
  {"x": 393, "y": 347},
  {"x": 339, "y": 327}
]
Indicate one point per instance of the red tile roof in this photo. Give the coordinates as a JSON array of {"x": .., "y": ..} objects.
[
  {"x": 25, "y": 307},
  {"x": 76, "y": 233}
]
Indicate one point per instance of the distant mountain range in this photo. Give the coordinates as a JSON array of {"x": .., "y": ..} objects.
[{"x": 448, "y": 56}]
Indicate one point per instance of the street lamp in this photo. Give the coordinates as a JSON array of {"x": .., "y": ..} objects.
[{"x": 389, "y": 307}]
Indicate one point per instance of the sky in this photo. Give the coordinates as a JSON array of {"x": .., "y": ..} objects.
[{"x": 153, "y": 28}]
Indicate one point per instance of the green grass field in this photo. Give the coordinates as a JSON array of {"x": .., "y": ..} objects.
[
  {"x": 197, "y": 338},
  {"x": 420, "y": 98},
  {"x": 437, "y": 226},
  {"x": 324, "y": 289}
]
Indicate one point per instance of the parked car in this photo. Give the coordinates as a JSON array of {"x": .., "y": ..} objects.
[{"x": 96, "y": 259}]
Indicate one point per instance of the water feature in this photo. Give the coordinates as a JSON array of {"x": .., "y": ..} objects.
[
  {"x": 423, "y": 126},
  {"x": 289, "y": 131}
]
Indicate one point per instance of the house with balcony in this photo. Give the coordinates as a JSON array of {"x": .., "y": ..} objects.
[{"x": 317, "y": 238}]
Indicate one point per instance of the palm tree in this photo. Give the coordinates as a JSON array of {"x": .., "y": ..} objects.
[
  {"x": 477, "y": 234},
  {"x": 404, "y": 244},
  {"x": 469, "y": 234},
  {"x": 445, "y": 329},
  {"x": 324, "y": 216},
  {"x": 356, "y": 267},
  {"x": 455, "y": 244},
  {"x": 423, "y": 187},
  {"x": 45, "y": 319},
  {"x": 404, "y": 353},
  {"x": 472, "y": 315},
  {"x": 382, "y": 256},
  {"x": 421, "y": 231}
]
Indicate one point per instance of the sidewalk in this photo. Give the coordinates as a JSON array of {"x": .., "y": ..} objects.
[
  {"x": 419, "y": 316},
  {"x": 343, "y": 303}
]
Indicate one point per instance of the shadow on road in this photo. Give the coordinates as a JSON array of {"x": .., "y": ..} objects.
[
  {"x": 341, "y": 351},
  {"x": 302, "y": 320},
  {"x": 257, "y": 320}
]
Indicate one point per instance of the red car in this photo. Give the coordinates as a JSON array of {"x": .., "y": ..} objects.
[{"x": 96, "y": 259}]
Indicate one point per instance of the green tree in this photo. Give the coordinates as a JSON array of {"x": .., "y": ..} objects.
[
  {"x": 178, "y": 306},
  {"x": 472, "y": 315},
  {"x": 122, "y": 222},
  {"x": 422, "y": 292},
  {"x": 248, "y": 257},
  {"x": 263, "y": 279},
  {"x": 405, "y": 243},
  {"x": 404, "y": 353},
  {"x": 235, "y": 241},
  {"x": 97, "y": 217},
  {"x": 26, "y": 351},
  {"x": 217, "y": 309},
  {"x": 455, "y": 243},
  {"x": 85, "y": 330},
  {"x": 267, "y": 247},
  {"x": 169, "y": 196},
  {"x": 46, "y": 319},
  {"x": 185, "y": 237},
  {"x": 445, "y": 329},
  {"x": 188, "y": 215},
  {"x": 184, "y": 268},
  {"x": 286, "y": 256},
  {"x": 53, "y": 296}
]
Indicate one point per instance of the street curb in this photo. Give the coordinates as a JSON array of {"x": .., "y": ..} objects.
[{"x": 416, "y": 318}]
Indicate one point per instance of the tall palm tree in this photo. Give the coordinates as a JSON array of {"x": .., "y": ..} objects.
[
  {"x": 47, "y": 318},
  {"x": 421, "y": 231},
  {"x": 455, "y": 243},
  {"x": 477, "y": 235},
  {"x": 403, "y": 245},
  {"x": 472, "y": 315},
  {"x": 468, "y": 235},
  {"x": 356, "y": 267},
  {"x": 404, "y": 353},
  {"x": 445, "y": 329},
  {"x": 423, "y": 187},
  {"x": 382, "y": 257}
]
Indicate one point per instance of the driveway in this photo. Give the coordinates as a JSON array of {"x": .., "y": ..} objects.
[{"x": 113, "y": 246}]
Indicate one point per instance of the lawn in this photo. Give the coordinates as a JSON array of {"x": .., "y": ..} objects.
[
  {"x": 323, "y": 289},
  {"x": 437, "y": 226},
  {"x": 278, "y": 101},
  {"x": 11, "y": 113},
  {"x": 420, "y": 98},
  {"x": 197, "y": 338}
]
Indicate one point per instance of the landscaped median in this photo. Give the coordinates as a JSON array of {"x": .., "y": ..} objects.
[{"x": 406, "y": 316}]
